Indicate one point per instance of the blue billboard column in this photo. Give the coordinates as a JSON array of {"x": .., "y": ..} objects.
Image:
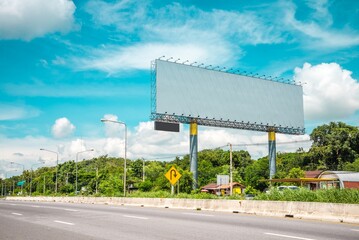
[
  {"x": 271, "y": 154},
  {"x": 193, "y": 145}
]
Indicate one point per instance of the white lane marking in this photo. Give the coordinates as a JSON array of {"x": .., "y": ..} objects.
[
  {"x": 119, "y": 207},
  {"x": 198, "y": 214},
  {"x": 355, "y": 230},
  {"x": 130, "y": 216},
  {"x": 35, "y": 206},
  {"x": 13, "y": 204},
  {"x": 17, "y": 214},
  {"x": 287, "y": 236},
  {"x": 71, "y": 210},
  {"x": 67, "y": 223}
]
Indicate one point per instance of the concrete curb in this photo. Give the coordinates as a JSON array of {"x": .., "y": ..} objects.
[{"x": 348, "y": 213}]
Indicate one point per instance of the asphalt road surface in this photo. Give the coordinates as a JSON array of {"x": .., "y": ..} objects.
[{"x": 55, "y": 221}]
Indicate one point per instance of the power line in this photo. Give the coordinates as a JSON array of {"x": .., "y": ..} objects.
[
  {"x": 260, "y": 144},
  {"x": 236, "y": 145}
]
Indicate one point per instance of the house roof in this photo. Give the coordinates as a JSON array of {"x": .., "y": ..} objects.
[
  {"x": 346, "y": 176},
  {"x": 210, "y": 186},
  {"x": 312, "y": 174},
  {"x": 234, "y": 184},
  {"x": 214, "y": 186}
]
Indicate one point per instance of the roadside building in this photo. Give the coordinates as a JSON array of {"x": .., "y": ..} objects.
[
  {"x": 314, "y": 180},
  {"x": 223, "y": 189},
  {"x": 342, "y": 179}
]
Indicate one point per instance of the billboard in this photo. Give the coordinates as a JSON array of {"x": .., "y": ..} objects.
[{"x": 185, "y": 93}]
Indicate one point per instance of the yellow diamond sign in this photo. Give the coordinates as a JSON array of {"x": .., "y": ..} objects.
[{"x": 173, "y": 175}]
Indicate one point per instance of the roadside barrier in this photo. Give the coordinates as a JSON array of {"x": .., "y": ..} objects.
[{"x": 337, "y": 212}]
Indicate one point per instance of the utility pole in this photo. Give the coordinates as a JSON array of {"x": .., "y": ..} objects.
[
  {"x": 44, "y": 184},
  {"x": 143, "y": 170},
  {"x": 230, "y": 170},
  {"x": 96, "y": 178}
]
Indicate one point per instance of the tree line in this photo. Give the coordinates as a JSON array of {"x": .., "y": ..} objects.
[{"x": 335, "y": 146}]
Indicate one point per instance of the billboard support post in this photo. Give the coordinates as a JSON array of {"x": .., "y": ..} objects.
[
  {"x": 272, "y": 153},
  {"x": 193, "y": 130}
]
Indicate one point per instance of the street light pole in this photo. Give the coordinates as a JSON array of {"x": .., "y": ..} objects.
[
  {"x": 96, "y": 179},
  {"x": 77, "y": 156},
  {"x": 230, "y": 169},
  {"x": 57, "y": 162},
  {"x": 42, "y": 162},
  {"x": 143, "y": 170},
  {"x": 6, "y": 178},
  {"x": 23, "y": 170},
  {"x": 124, "y": 167}
]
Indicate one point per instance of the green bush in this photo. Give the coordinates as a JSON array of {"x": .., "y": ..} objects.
[
  {"x": 305, "y": 195},
  {"x": 145, "y": 186}
]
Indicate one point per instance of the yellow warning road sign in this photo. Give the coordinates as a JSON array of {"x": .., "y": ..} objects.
[{"x": 173, "y": 175}]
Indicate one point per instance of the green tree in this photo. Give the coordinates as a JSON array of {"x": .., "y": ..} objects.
[
  {"x": 295, "y": 173},
  {"x": 256, "y": 173},
  {"x": 334, "y": 144}
]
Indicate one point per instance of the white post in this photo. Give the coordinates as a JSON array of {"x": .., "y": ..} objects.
[{"x": 230, "y": 170}]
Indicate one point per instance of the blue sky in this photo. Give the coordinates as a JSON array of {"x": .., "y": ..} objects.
[{"x": 64, "y": 65}]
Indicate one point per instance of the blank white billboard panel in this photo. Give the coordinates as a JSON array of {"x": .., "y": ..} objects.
[{"x": 199, "y": 93}]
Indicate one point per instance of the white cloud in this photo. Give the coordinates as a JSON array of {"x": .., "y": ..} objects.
[
  {"x": 318, "y": 35},
  {"x": 76, "y": 146},
  {"x": 148, "y": 143},
  {"x": 211, "y": 36},
  {"x": 37, "y": 89},
  {"x": 143, "y": 142},
  {"x": 14, "y": 111},
  {"x": 115, "y": 147},
  {"x": 175, "y": 31},
  {"x": 321, "y": 11},
  {"x": 34, "y": 18},
  {"x": 62, "y": 128},
  {"x": 114, "y": 59},
  {"x": 330, "y": 93},
  {"x": 112, "y": 129}
]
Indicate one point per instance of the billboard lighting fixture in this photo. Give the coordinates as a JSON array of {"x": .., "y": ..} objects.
[
  {"x": 177, "y": 60},
  {"x": 185, "y": 62},
  {"x": 200, "y": 65},
  {"x": 161, "y": 57},
  {"x": 208, "y": 66},
  {"x": 222, "y": 69},
  {"x": 193, "y": 63},
  {"x": 169, "y": 59},
  {"x": 215, "y": 67}
]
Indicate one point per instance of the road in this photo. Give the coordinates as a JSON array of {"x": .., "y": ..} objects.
[{"x": 33, "y": 220}]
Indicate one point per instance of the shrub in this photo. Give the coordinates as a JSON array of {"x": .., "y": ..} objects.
[{"x": 305, "y": 195}]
